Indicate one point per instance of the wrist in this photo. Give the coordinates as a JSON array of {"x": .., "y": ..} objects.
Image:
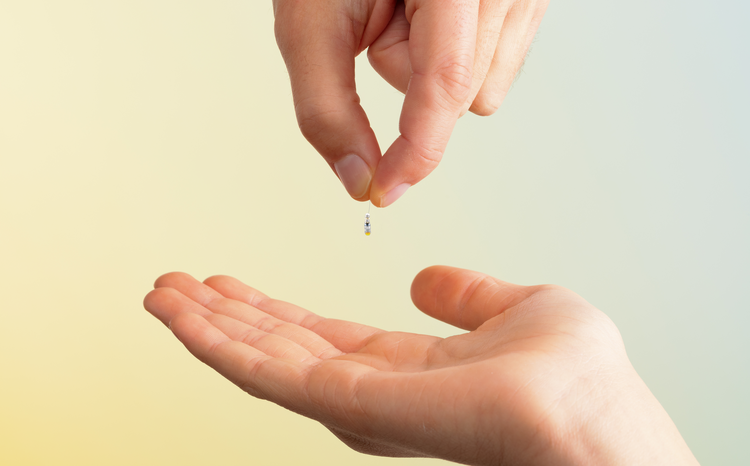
[{"x": 617, "y": 420}]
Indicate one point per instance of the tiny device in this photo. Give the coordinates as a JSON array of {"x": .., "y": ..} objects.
[{"x": 368, "y": 227}]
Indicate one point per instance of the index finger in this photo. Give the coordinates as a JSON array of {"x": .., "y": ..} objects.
[{"x": 442, "y": 43}]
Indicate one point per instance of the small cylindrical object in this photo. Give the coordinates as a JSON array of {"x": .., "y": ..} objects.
[{"x": 368, "y": 227}]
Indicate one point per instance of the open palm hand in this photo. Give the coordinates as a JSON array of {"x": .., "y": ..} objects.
[{"x": 529, "y": 376}]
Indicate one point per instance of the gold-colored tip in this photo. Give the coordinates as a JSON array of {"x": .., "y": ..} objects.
[{"x": 367, "y": 233}]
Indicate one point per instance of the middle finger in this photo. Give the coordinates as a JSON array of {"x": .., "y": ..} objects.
[{"x": 490, "y": 22}]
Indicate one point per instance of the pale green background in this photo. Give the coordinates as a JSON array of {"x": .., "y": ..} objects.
[{"x": 140, "y": 137}]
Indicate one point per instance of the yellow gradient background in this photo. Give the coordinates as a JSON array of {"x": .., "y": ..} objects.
[{"x": 141, "y": 137}]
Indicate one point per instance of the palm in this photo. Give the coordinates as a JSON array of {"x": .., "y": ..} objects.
[{"x": 380, "y": 391}]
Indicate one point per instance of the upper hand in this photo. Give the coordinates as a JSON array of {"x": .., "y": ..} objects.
[{"x": 447, "y": 56}]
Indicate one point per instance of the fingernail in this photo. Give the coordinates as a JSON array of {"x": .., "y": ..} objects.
[
  {"x": 391, "y": 196},
  {"x": 354, "y": 174}
]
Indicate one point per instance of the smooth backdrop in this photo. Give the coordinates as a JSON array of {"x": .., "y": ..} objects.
[{"x": 140, "y": 137}]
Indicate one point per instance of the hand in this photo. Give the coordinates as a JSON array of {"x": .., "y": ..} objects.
[
  {"x": 541, "y": 378},
  {"x": 447, "y": 56}
]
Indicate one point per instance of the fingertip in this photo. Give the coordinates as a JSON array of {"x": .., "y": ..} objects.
[
  {"x": 322, "y": 75},
  {"x": 157, "y": 303},
  {"x": 233, "y": 288},
  {"x": 165, "y": 303},
  {"x": 402, "y": 166},
  {"x": 355, "y": 174},
  {"x": 170, "y": 278},
  {"x": 147, "y": 300},
  {"x": 150, "y": 303},
  {"x": 421, "y": 283},
  {"x": 485, "y": 104},
  {"x": 393, "y": 195},
  {"x": 340, "y": 131},
  {"x": 408, "y": 161},
  {"x": 333, "y": 122},
  {"x": 464, "y": 298},
  {"x": 218, "y": 280}
]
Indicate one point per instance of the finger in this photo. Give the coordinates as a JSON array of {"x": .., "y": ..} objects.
[
  {"x": 188, "y": 286},
  {"x": 208, "y": 300},
  {"x": 441, "y": 52},
  {"x": 389, "y": 54},
  {"x": 166, "y": 303},
  {"x": 279, "y": 380},
  {"x": 268, "y": 343},
  {"x": 319, "y": 45},
  {"x": 464, "y": 298},
  {"x": 346, "y": 336},
  {"x": 490, "y": 23},
  {"x": 247, "y": 314},
  {"x": 516, "y": 36}
]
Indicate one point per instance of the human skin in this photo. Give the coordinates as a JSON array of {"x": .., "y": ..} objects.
[
  {"x": 447, "y": 56},
  {"x": 541, "y": 376}
]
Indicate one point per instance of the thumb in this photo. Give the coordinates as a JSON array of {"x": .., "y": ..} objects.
[
  {"x": 319, "y": 44},
  {"x": 464, "y": 298}
]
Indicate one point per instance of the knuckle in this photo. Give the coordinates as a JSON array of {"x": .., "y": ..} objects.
[
  {"x": 454, "y": 79},
  {"x": 248, "y": 381},
  {"x": 430, "y": 152},
  {"x": 315, "y": 116},
  {"x": 471, "y": 293},
  {"x": 430, "y": 156}
]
